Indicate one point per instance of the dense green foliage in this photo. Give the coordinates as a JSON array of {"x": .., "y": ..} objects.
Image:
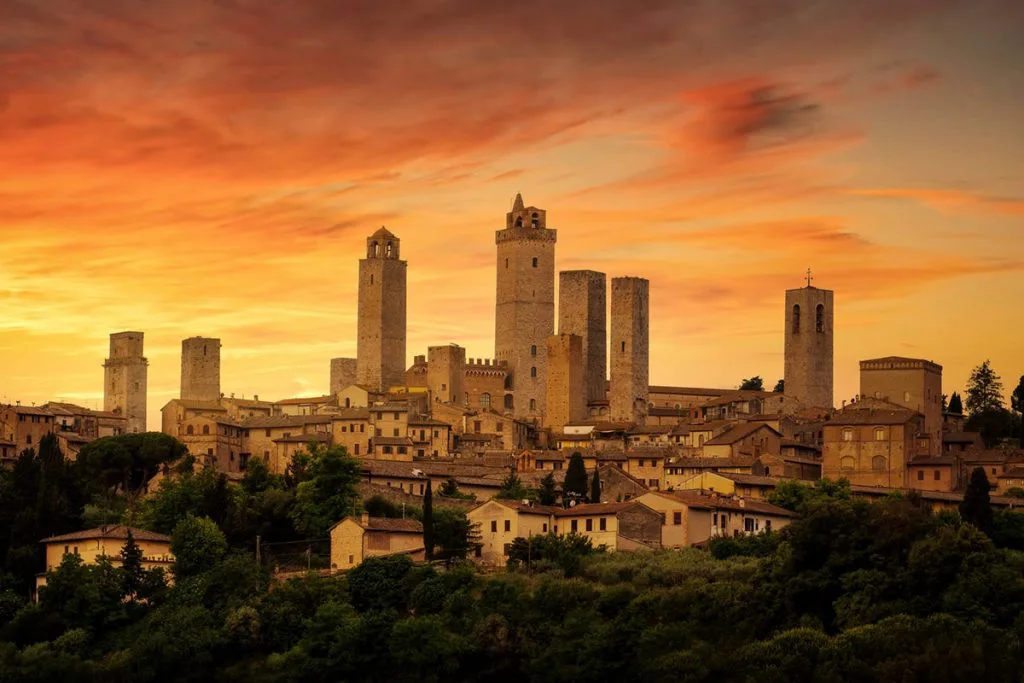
[
  {"x": 575, "y": 484},
  {"x": 755, "y": 383}
]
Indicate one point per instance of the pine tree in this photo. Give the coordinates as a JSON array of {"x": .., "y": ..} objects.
[
  {"x": 754, "y": 383},
  {"x": 780, "y": 386},
  {"x": 575, "y": 484},
  {"x": 595, "y": 488},
  {"x": 428, "y": 522},
  {"x": 984, "y": 390},
  {"x": 976, "y": 508},
  {"x": 548, "y": 492},
  {"x": 132, "y": 572},
  {"x": 956, "y": 406}
]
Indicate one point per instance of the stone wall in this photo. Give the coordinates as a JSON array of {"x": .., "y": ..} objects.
[
  {"x": 398, "y": 497},
  {"x": 446, "y": 366},
  {"x": 343, "y": 374},
  {"x": 125, "y": 379},
  {"x": 380, "y": 343},
  {"x": 641, "y": 523},
  {"x": 484, "y": 376},
  {"x": 200, "y": 369},
  {"x": 913, "y": 383},
  {"x": 565, "y": 394},
  {"x": 583, "y": 310},
  {"x": 630, "y": 349}
]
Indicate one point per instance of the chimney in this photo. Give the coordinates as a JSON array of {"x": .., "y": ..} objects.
[{"x": 364, "y": 518}]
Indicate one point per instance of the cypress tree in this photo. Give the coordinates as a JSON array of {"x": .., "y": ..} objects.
[
  {"x": 132, "y": 573},
  {"x": 575, "y": 484},
  {"x": 976, "y": 508},
  {"x": 595, "y": 488},
  {"x": 428, "y": 522}
]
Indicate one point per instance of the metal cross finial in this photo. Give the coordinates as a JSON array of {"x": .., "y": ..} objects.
[{"x": 809, "y": 278}]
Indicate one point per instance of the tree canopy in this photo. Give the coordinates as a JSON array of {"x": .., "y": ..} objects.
[{"x": 754, "y": 383}]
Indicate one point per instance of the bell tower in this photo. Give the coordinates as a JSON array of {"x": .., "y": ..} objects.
[
  {"x": 380, "y": 343},
  {"x": 809, "y": 346},
  {"x": 525, "y": 304}
]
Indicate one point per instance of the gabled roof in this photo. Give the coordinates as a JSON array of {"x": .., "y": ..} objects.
[
  {"x": 115, "y": 532},
  {"x": 738, "y": 433},
  {"x": 274, "y": 421},
  {"x": 587, "y": 509},
  {"x": 301, "y": 401},
  {"x": 383, "y": 233},
  {"x": 686, "y": 391},
  {"x": 29, "y": 410}
]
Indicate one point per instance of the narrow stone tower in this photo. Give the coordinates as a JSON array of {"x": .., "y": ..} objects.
[
  {"x": 809, "y": 343},
  {"x": 380, "y": 344},
  {"x": 343, "y": 374},
  {"x": 630, "y": 352},
  {"x": 582, "y": 310},
  {"x": 565, "y": 402},
  {"x": 124, "y": 380},
  {"x": 524, "y": 314},
  {"x": 200, "y": 369},
  {"x": 446, "y": 366}
]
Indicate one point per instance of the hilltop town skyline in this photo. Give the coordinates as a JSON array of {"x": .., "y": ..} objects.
[{"x": 193, "y": 192}]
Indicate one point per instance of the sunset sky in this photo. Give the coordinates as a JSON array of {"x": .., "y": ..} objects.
[{"x": 212, "y": 167}]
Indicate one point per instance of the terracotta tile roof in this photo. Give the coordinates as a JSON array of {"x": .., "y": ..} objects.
[
  {"x": 406, "y": 526},
  {"x": 427, "y": 422},
  {"x": 871, "y": 416},
  {"x": 587, "y": 509},
  {"x": 933, "y": 460},
  {"x": 302, "y": 401},
  {"x": 391, "y": 441},
  {"x": 704, "y": 501},
  {"x": 249, "y": 403},
  {"x": 961, "y": 437},
  {"x": 749, "y": 479},
  {"x": 28, "y": 410},
  {"x": 528, "y": 509},
  {"x": 351, "y": 414},
  {"x": 272, "y": 421},
  {"x": 709, "y": 463},
  {"x": 738, "y": 433},
  {"x": 117, "y": 532},
  {"x": 304, "y": 438},
  {"x": 613, "y": 426},
  {"x": 547, "y": 456},
  {"x": 687, "y": 391}
]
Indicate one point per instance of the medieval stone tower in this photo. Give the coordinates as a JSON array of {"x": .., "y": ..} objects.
[
  {"x": 124, "y": 380},
  {"x": 525, "y": 306},
  {"x": 582, "y": 310},
  {"x": 380, "y": 344},
  {"x": 566, "y": 402},
  {"x": 630, "y": 352},
  {"x": 446, "y": 366},
  {"x": 808, "y": 370},
  {"x": 343, "y": 374},
  {"x": 200, "y": 369}
]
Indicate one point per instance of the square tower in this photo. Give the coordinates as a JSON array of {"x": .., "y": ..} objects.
[
  {"x": 565, "y": 400},
  {"x": 913, "y": 383},
  {"x": 200, "y": 369},
  {"x": 124, "y": 380},
  {"x": 808, "y": 369},
  {"x": 343, "y": 374},
  {"x": 446, "y": 366},
  {"x": 524, "y": 315},
  {"x": 583, "y": 311},
  {"x": 380, "y": 343},
  {"x": 630, "y": 352}
]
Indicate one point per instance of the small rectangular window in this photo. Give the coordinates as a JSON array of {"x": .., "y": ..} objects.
[
  {"x": 590, "y": 524},
  {"x": 534, "y": 261},
  {"x": 677, "y": 518},
  {"x": 920, "y": 475},
  {"x": 603, "y": 526},
  {"x": 508, "y": 525},
  {"x": 575, "y": 525},
  {"x": 938, "y": 475},
  {"x": 494, "y": 526}
]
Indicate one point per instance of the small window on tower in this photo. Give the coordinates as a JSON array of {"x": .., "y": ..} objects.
[
  {"x": 623, "y": 348},
  {"x": 535, "y": 221},
  {"x": 533, "y": 404},
  {"x": 533, "y": 372},
  {"x": 371, "y": 279},
  {"x": 506, "y": 264},
  {"x": 533, "y": 350},
  {"x": 819, "y": 318},
  {"x": 534, "y": 261},
  {"x": 796, "y": 318}
]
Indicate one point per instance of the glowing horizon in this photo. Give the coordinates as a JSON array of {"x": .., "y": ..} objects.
[{"x": 213, "y": 169}]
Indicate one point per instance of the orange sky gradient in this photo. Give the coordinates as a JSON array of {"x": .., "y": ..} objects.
[{"x": 212, "y": 167}]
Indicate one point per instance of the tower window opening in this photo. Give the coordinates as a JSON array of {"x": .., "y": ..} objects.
[
  {"x": 533, "y": 371},
  {"x": 623, "y": 347},
  {"x": 534, "y": 261},
  {"x": 533, "y": 404},
  {"x": 535, "y": 221},
  {"x": 371, "y": 279},
  {"x": 506, "y": 264},
  {"x": 387, "y": 250},
  {"x": 519, "y": 222},
  {"x": 533, "y": 350},
  {"x": 796, "y": 318},
  {"x": 819, "y": 318}
]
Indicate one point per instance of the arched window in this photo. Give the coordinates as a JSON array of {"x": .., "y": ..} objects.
[
  {"x": 374, "y": 249},
  {"x": 878, "y": 463},
  {"x": 819, "y": 318},
  {"x": 796, "y": 318},
  {"x": 189, "y": 430},
  {"x": 508, "y": 382},
  {"x": 533, "y": 404},
  {"x": 533, "y": 350},
  {"x": 906, "y": 397},
  {"x": 485, "y": 400},
  {"x": 348, "y": 403},
  {"x": 519, "y": 222},
  {"x": 623, "y": 347},
  {"x": 509, "y": 402},
  {"x": 534, "y": 261},
  {"x": 847, "y": 434},
  {"x": 535, "y": 220},
  {"x": 847, "y": 463},
  {"x": 533, "y": 372},
  {"x": 206, "y": 429},
  {"x": 879, "y": 434},
  {"x": 387, "y": 250}
]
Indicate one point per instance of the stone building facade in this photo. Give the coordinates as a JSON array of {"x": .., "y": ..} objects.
[
  {"x": 566, "y": 398},
  {"x": 343, "y": 374},
  {"x": 583, "y": 311},
  {"x": 525, "y": 303},
  {"x": 124, "y": 380},
  {"x": 913, "y": 383},
  {"x": 871, "y": 446},
  {"x": 808, "y": 348},
  {"x": 630, "y": 350},
  {"x": 200, "y": 369},
  {"x": 486, "y": 385},
  {"x": 446, "y": 367},
  {"x": 380, "y": 344}
]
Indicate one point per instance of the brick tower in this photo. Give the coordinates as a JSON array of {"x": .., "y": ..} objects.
[
  {"x": 380, "y": 344},
  {"x": 583, "y": 311},
  {"x": 808, "y": 371},
  {"x": 630, "y": 352},
  {"x": 565, "y": 395},
  {"x": 124, "y": 380},
  {"x": 200, "y": 369},
  {"x": 446, "y": 367},
  {"x": 525, "y": 304},
  {"x": 343, "y": 374}
]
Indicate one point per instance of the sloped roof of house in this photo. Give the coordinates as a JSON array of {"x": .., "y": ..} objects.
[
  {"x": 304, "y": 438},
  {"x": 687, "y": 391},
  {"x": 301, "y": 401},
  {"x": 116, "y": 532},
  {"x": 871, "y": 416},
  {"x": 704, "y": 501},
  {"x": 587, "y": 509},
  {"x": 738, "y": 433},
  {"x": 28, "y": 410},
  {"x": 272, "y": 421}
]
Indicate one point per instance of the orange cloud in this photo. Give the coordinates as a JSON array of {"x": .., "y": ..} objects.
[{"x": 949, "y": 200}]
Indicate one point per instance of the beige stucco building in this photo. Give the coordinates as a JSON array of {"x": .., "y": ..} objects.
[
  {"x": 354, "y": 539},
  {"x": 107, "y": 541},
  {"x": 871, "y": 446}
]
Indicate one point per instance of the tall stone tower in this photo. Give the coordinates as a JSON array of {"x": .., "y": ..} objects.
[
  {"x": 582, "y": 310},
  {"x": 524, "y": 314},
  {"x": 913, "y": 383},
  {"x": 380, "y": 344},
  {"x": 200, "y": 369},
  {"x": 565, "y": 398},
  {"x": 808, "y": 370},
  {"x": 124, "y": 380},
  {"x": 446, "y": 366},
  {"x": 343, "y": 374},
  {"x": 630, "y": 352}
]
